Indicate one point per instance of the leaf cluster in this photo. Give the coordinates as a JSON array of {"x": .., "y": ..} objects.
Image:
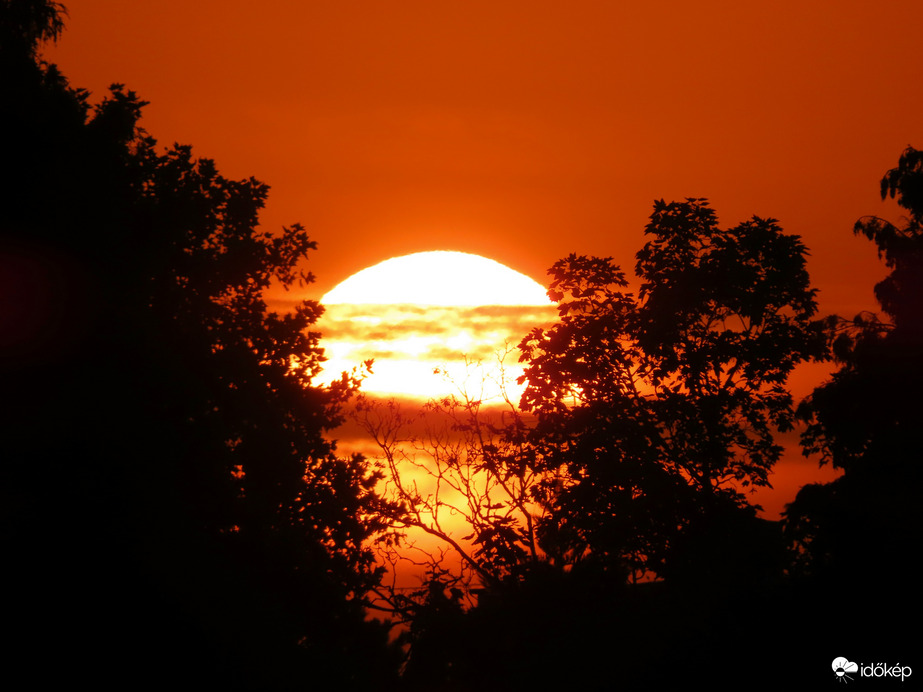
[
  {"x": 880, "y": 355},
  {"x": 658, "y": 404}
]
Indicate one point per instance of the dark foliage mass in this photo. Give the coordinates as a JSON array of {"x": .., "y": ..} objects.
[
  {"x": 662, "y": 407},
  {"x": 653, "y": 415},
  {"x": 171, "y": 507},
  {"x": 866, "y": 420}
]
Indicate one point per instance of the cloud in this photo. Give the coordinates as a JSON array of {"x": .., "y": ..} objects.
[
  {"x": 365, "y": 323},
  {"x": 417, "y": 421},
  {"x": 844, "y": 665},
  {"x": 409, "y": 343}
]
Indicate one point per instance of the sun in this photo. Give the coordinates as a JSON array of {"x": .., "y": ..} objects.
[
  {"x": 439, "y": 277},
  {"x": 432, "y": 322}
]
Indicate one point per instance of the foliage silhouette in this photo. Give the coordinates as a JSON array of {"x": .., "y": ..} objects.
[
  {"x": 458, "y": 496},
  {"x": 652, "y": 416},
  {"x": 26, "y": 24},
  {"x": 170, "y": 500},
  {"x": 661, "y": 408},
  {"x": 646, "y": 420},
  {"x": 866, "y": 419},
  {"x": 456, "y": 467}
]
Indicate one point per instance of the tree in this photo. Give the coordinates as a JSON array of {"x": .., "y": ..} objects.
[
  {"x": 170, "y": 496},
  {"x": 660, "y": 409},
  {"x": 644, "y": 421},
  {"x": 458, "y": 491},
  {"x": 865, "y": 419},
  {"x": 26, "y": 24},
  {"x": 879, "y": 356}
]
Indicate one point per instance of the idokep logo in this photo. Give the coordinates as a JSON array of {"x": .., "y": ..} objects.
[{"x": 845, "y": 670}]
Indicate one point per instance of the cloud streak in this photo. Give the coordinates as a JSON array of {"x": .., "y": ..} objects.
[{"x": 410, "y": 342}]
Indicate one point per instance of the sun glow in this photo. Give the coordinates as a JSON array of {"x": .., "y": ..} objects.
[
  {"x": 425, "y": 318},
  {"x": 438, "y": 278}
]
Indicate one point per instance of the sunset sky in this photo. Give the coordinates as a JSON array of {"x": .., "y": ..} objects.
[{"x": 524, "y": 131}]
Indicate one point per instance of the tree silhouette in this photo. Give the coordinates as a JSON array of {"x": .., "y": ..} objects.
[
  {"x": 26, "y": 24},
  {"x": 652, "y": 417},
  {"x": 661, "y": 408},
  {"x": 458, "y": 494},
  {"x": 646, "y": 420},
  {"x": 170, "y": 500},
  {"x": 455, "y": 473},
  {"x": 866, "y": 419}
]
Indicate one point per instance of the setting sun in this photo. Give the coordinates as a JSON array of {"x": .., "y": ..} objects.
[
  {"x": 427, "y": 312},
  {"x": 438, "y": 277}
]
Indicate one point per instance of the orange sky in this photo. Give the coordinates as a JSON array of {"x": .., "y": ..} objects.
[{"x": 523, "y": 131}]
